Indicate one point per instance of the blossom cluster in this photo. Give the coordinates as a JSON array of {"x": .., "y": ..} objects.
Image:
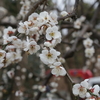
[
  {"x": 11, "y": 51},
  {"x": 43, "y": 24},
  {"x": 84, "y": 90},
  {"x": 89, "y": 51},
  {"x": 25, "y": 6}
]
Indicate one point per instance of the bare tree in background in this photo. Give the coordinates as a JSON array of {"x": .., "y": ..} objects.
[{"x": 46, "y": 51}]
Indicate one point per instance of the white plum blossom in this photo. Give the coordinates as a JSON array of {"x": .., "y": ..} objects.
[
  {"x": 77, "y": 24},
  {"x": 58, "y": 70},
  {"x": 80, "y": 89},
  {"x": 9, "y": 31},
  {"x": 25, "y": 7},
  {"x": 9, "y": 58},
  {"x": 95, "y": 90},
  {"x": 53, "y": 20},
  {"x": 89, "y": 52},
  {"x": 42, "y": 88},
  {"x": 34, "y": 34},
  {"x": 33, "y": 17},
  {"x": 23, "y": 69},
  {"x": 2, "y": 54},
  {"x": 53, "y": 90},
  {"x": 17, "y": 56},
  {"x": 23, "y": 28},
  {"x": 31, "y": 47},
  {"x": 17, "y": 43},
  {"x": 19, "y": 93},
  {"x": 52, "y": 33},
  {"x": 88, "y": 42},
  {"x": 49, "y": 56},
  {"x": 84, "y": 90},
  {"x": 91, "y": 98},
  {"x": 43, "y": 18},
  {"x": 64, "y": 13},
  {"x": 82, "y": 18},
  {"x": 10, "y": 48},
  {"x": 54, "y": 84},
  {"x": 12, "y": 57},
  {"x": 10, "y": 74}
]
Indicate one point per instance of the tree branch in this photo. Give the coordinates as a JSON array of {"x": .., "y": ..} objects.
[{"x": 93, "y": 20}]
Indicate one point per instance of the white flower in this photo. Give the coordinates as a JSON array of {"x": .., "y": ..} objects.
[
  {"x": 35, "y": 87},
  {"x": 81, "y": 89},
  {"x": 34, "y": 34},
  {"x": 91, "y": 98},
  {"x": 82, "y": 18},
  {"x": 77, "y": 24},
  {"x": 89, "y": 52},
  {"x": 18, "y": 93},
  {"x": 62, "y": 60},
  {"x": 25, "y": 7},
  {"x": 95, "y": 90},
  {"x": 47, "y": 44},
  {"x": 2, "y": 54},
  {"x": 17, "y": 56},
  {"x": 88, "y": 95},
  {"x": 58, "y": 70},
  {"x": 9, "y": 31},
  {"x": 64, "y": 13},
  {"x": 10, "y": 48},
  {"x": 43, "y": 18},
  {"x": 23, "y": 70},
  {"x": 9, "y": 58},
  {"x": 53, "y": 90},
  {"x": 53, "y": 20},
  {"x": 23, "y": 77},
  {"x": 33, "y": 47},
  {"x": 23, "y": 28},
  {"x": 33, "y": 17},
  {"x": 49, "y": 56},
  {"x": 42, "y": 88},
  {"x": 17, "y": 43},
  {"x": 30, "y": 75},
  {"x": 54, "y": 84},
  {"x": 52, "y": 32},
  {"x": 88, "y": 42},
  {"x": 10, "y": 74},
  {"x": 52, "y": 43}
]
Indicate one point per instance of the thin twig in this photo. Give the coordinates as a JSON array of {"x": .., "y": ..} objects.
[
  {"x": 93, "y": 20},
  {"x": 73, "y": 12}
]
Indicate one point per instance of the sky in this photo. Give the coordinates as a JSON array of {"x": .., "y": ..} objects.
[{"x": 61, "y": 6}]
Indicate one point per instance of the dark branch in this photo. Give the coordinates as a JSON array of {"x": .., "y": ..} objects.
[
  {"x": 95, "y": 16},
  {"x": 8, "y": 24}
]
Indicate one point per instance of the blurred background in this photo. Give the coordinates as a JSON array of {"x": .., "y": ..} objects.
[{"x": 27, "y": 77}]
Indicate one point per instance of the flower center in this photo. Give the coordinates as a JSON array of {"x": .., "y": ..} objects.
[
  {"x": 10, "y": 32},
  {"x": 1, "y": 54},
  {"x": 52, "y": 34},
  {"x": 32, "y": 47},
  {"x": 49, "y": 55}
]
